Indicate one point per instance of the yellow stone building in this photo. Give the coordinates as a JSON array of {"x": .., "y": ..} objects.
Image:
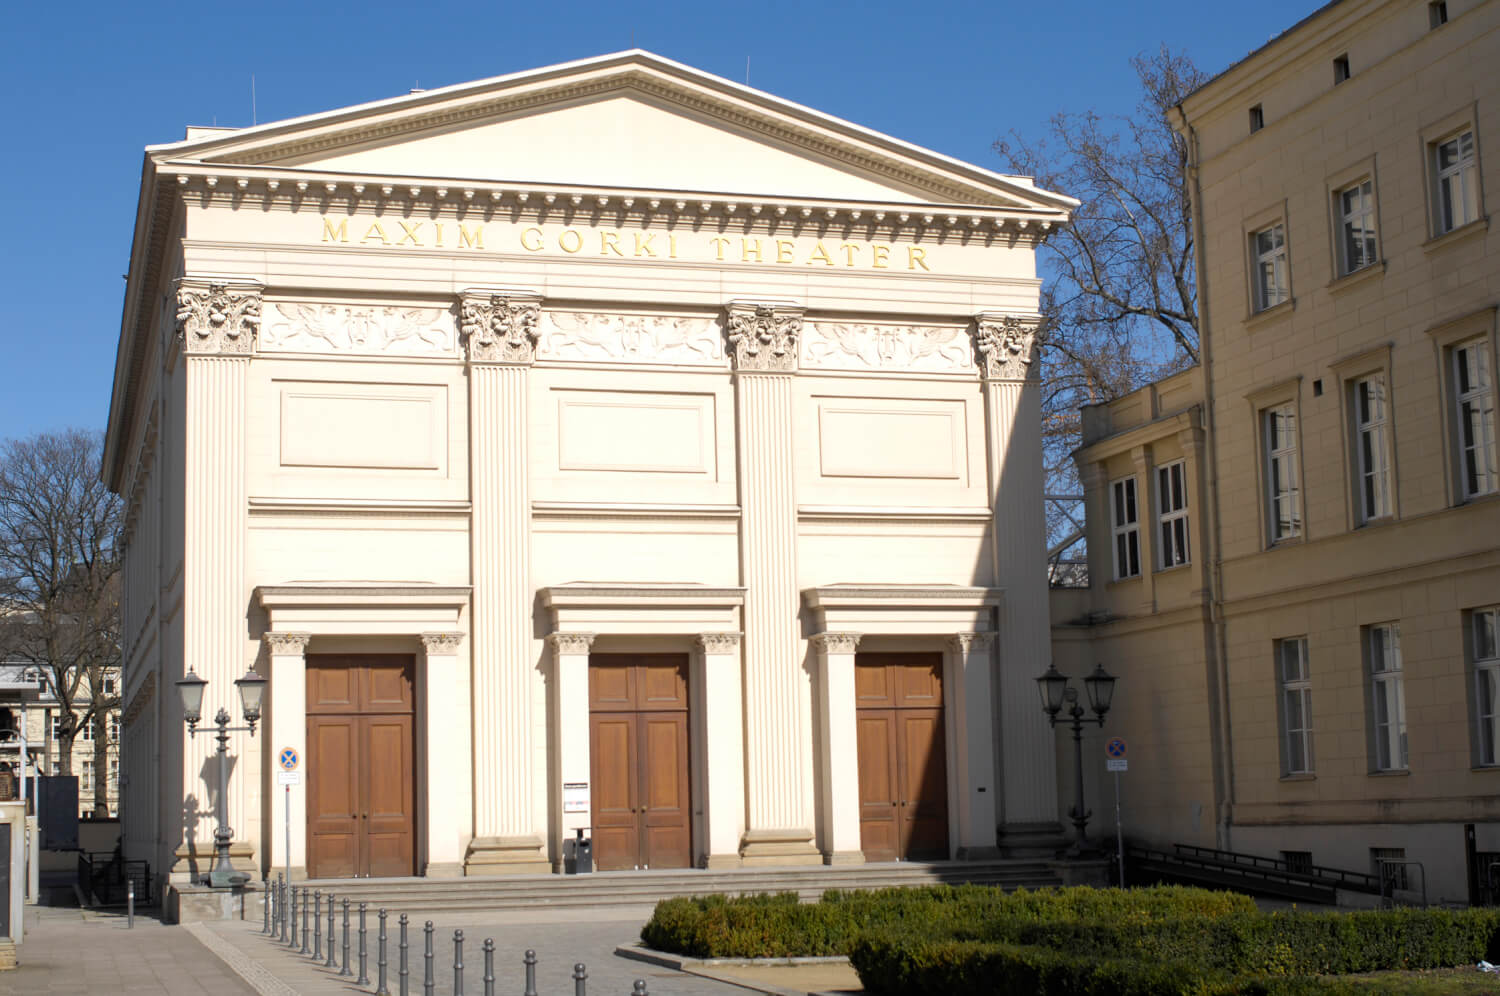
[{"x": 1295, "y": 547}]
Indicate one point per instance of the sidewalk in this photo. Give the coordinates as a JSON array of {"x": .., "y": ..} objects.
[{"x": 81, "y": 951}]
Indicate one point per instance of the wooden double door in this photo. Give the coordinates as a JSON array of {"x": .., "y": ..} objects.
[
  {"x": 361, "y": 766},
  {"x": 903, "y": 761},
  {"x": 638, "y": 761}
]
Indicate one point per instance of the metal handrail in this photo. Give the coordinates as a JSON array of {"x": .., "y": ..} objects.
[
  {"x": 1385, "y": 863},
  {"x": 1265, "y": 875},
  {"x": 1342, "y": 876}
]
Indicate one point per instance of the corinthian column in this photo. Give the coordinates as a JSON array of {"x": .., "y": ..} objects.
[
  {"x": 216, "y": 323},
  {"x": 1026, "y": 759},
  {"x": 499, "y": 331},
  {"x": 778, "y": 738}
]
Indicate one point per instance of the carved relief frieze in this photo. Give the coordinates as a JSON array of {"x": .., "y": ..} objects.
[
  {"x": 296, "y": 327},
  {"x": 932, "y": 349},
  {"x": 217, "y": 317},
  {"x": 572, "y": 335},
  {"x": 499, "y": 328},
  {"x": 763, "y": 337},
  {"x": 1007, "y": 345}
]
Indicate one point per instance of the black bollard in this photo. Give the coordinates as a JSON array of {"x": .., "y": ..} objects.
[
  {"x": 305, "y": 948},
  {"x": 363, "y": 980},
  {"x": 281, "y": 904},
  {"x": 580, "y": 980},
  {"x": 427, "y": 980},
  {"x": 489, "y": 967},
  {"x": 639, "y": 988},
  {"x": 458, "y": 963},
  {"x": 292, "y": 914},
  {"x": 344, "y": 969},
  {"x": 317, "y": 925},
  {"x": 530, "y": 973},
  {"x": 401, "y": 972},
  {"x": 329, "y": 963},
  {"x": 380, "y": 987},
  {"x": 265, "y": 906}
]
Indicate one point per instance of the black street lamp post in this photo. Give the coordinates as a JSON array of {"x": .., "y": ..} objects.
[
  {"x": 252, "y": 686},
  {"x": 1100, "y": 686}
]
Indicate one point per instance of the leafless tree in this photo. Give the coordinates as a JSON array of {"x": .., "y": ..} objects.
[
  {"x": 60, "y": 584},
  {"x": 1120, "y": 301}
]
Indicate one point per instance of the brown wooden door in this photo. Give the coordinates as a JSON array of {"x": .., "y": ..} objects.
[
  {"x": 903, "y": 771},
  {"x": 361, "y": 768},
  {"x": 638, "y": 760}
]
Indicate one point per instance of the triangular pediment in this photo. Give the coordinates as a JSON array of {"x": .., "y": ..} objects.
[{"x": 631, "y": 121}]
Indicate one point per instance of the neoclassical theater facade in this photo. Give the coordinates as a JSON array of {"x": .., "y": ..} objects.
[{"x": 605, "y": 446}]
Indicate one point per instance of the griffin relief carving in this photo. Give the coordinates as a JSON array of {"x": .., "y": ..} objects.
[
  {"x": 884, "y": 347},
  {"x": 297, "y": 327},
  {"x": 217, "y": 317},
  {"x": 631, "y": 338}
]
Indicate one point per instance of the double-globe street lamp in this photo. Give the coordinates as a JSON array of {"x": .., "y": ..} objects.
[
  {"x": 252, "y": 687},
  {"x": 1100, "y": 686}
]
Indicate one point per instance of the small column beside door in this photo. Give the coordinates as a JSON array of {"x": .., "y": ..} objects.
[
  {"x": 839, "y": 758},
  {"x": 446, "y": 741},
  {"x": 570, "y": 719},
  {"x": 287, "y": 727},
  {"x": 974, "y": 731},
  {"x": 716, "y": 694}
]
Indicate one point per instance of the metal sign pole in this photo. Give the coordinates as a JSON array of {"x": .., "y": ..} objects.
[
  {"x": 1119, "y": 834},
  {"x": 289, "y": 833}
]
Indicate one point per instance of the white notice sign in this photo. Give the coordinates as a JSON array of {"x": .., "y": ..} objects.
[
  {"x": 575, "y": 797},
  {"x": 288, "y": 778},
  {"x": 1116, "y": 764}
]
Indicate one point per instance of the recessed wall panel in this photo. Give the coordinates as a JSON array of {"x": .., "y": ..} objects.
[
  {"x": 635, "y": 433},
  {"x": 915, "y": 440},
  {"x": 366, "y": 426}
]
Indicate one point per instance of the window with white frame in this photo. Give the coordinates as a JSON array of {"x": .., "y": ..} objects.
[
  {"x": 1172, "y": 514},
  {"x": 1457, "y": 182},
  {"x": 1371, "y": 441},
  {"x": 114, "y": 771},
  {"x": 1484, "y": 649},
  {"x": 86, "y": 776},
  {"x": 1283, "y": 497},
  {"x": 1126, "y": 521},
  {"x": 83, "y": 730},
  {"x": 1356, "y": 210},
  {"x": 54, "y": 725},
  {"x": 1296, "y": 706},
  {"x": 114, "y": 727},
  {"x": 1474, "y": 399},
  {"x": 1269, "y": 248},
  {"x": 1388, "y": 704}
]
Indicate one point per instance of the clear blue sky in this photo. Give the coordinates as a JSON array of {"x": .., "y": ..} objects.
[{"x": 88, "y": 84}]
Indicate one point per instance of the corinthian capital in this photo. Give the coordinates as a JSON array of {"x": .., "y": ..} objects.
[
  {"x": 499, "y": 327},
  {"x": 764, "y": 336},
  {"x": 1006, "y": 345},
  {"x": 285, "y": 643},
  {"x": 217, "y": 317}
]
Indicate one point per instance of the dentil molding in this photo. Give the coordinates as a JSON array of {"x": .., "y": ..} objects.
[
  {"x": 217, "y": 317},
  {"x": 314, "y": 327},
  {"x": 1007, "y": 345},
  {"x": 499, "y": 327},
  {"x": 763, "y": 337},
  {"x": 572, "y": 335}
]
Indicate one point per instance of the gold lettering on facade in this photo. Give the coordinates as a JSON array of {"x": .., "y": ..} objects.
[
  {"x": 475, "y": 239},
  {"x": 439, "y": 241},
  {"x": 577, "y": 243},
  {"x": 916, "y": 257},
  {"x": 749, "y": 248},
  {"x": 643, "y": 243},
  {"x": 820, "y": 254},
  {"x": 409, "y": 232},
  {"x": 719, "y": 243},
  {"x": 672, "y": 246},
  {"x": 784, "y": 249},
  {"x": 375, "y": 231},
  {"x": 881, "y": 253},
  {"x": 609, "y": 241},
  {"x": 531, "y": 240},
  {"x": 332, "y": 233},
  {"x": 849, "y": 249}
]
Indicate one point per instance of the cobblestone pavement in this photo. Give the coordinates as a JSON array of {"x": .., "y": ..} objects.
[
  {"x": 81, "y": 951},
  {"x": 559, "y": 939}
]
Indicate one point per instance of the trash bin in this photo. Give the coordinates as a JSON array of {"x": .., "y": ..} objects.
[{"x": 578, "y": 854}]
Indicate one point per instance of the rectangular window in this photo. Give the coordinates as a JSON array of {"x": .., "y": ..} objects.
[
  {"x": 1269, "y": 246},
  {"x": 1356, "y": 209},
  {"x": 1125, "y": 518},
  {"x": 1485, "y": 650},
  {"x": 1299, "y": 862},
  {"x": 1257, "y": 119},
  {"x": 1340, "y": 69},
  {"x": 86, "y": 776},
  {"x": 1372, "y": 458},
  {"x": 1474, "y": 397},
  {"x": 84, "y": 731},
  {"x": 1172, "y": 514},
  {"x": 1284, "y": 500},
  {"x": 114, "y": 771},
  {"x": 109, "y": 686},
  {"x": 1437, "y": 14},
  {"x": 1296, "y": 706},
  {"x": 54, "y": 724},
  {"x": 1383, "y": 649},
  {"x": 114, "y": 727},
  {"x": 1457, "y": 182},
  {"x": 1386, "y": 863}
]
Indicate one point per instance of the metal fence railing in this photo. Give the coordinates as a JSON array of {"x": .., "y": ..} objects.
[{"x": 319, "y": 927}]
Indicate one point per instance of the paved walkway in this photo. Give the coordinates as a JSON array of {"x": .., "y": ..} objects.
[{"x": 79, "y": 952}]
